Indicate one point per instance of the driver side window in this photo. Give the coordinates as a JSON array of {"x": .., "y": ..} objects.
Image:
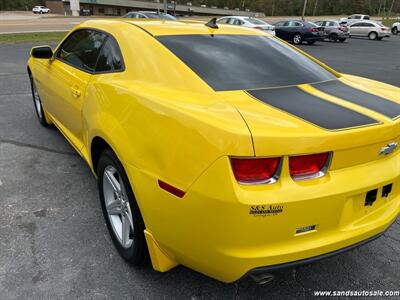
[{"x": 81, "y": 49}]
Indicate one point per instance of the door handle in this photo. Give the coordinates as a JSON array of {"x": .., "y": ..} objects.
[{"x": 75, "y": 92}]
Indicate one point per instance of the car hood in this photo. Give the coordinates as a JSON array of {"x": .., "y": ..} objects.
[{"x": 343, "y": 114}]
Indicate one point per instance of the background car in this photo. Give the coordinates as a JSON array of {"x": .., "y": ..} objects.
[
  {"x": 354, "y": 18},
  {"x": 370, "y": 29},
  {"x": 396, "y": 28},
  {"x": 247, "y": 22},
  {"x": 40, "y": 10},
  {"x": 298, "y": 31},
  {"x": 333, "y": 30},
  {"x": 149, "y": 15}
]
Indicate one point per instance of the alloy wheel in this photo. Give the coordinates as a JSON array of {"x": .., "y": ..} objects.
[
  {"x": 297, "y": 39},
  {"x": 117, "y": 205},
  {"x": 36, "y": 99}
]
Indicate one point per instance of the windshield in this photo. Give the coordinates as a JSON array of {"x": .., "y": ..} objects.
[
  {"x": 243, "y": 62},
  {"x": 255, "y": 21}
]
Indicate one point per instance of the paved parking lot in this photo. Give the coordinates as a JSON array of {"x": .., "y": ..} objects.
[{"x": 54, "y": 243}]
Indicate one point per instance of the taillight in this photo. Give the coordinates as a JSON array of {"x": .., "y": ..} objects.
[
  {"x": 258, "y": 27},
  {"x": 340, "y": 28},
  {"x": 308, "y": 166},
  {"x": 313, "y": 30},
  {"x": 255, "y": 170}
]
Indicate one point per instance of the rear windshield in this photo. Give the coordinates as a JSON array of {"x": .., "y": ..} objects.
[
  {"x": 244, "y": 62},
  {"x": 255, "y": 21}
]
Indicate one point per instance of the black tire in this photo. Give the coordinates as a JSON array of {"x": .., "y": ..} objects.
[
  {"x": 373, "y": 35},
  {"x": 136, "y": 253},
  {"x": 379, "y": 38},
  {"x": 333, "y": 37},
  {"x": 311, "y": 42},
  {"x": 297, "y": 39},
  {"x": 395, "y": 30},
  {"x": 341, "y": 40},
  {"x": 40, "y": 112}
]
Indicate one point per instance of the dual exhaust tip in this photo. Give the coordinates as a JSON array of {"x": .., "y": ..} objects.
[{"x": 262, "y": 278}]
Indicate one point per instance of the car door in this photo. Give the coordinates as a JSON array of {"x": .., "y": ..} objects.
[
  {"x": 281, "y": 29},
  {"x": 356, "y": 29},
  {"x": 67, "y": 78},
  {"x": 294, "y": 27}
]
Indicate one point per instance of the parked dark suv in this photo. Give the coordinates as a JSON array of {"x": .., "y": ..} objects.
[{"x": 299, "y": 31}]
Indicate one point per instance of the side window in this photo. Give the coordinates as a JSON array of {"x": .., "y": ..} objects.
[
  {"x": 110, "y": 58},
  {"x": 223, "y": 21},
  {"x": 366, "y": 17},
  {"x": 356, "y": 25},
  {"x": 357, "y": 17},
  {"x": 81, "y": 49}
]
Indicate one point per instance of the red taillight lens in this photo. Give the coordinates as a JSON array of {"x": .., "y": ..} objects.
[
  {"x": 313, "y": 30},
  {"x": 255, "y": 170},
  {"x": 307, "y": 166},
  {"x": 340, "y": 28},
  {"x": 258, "y": 27}
]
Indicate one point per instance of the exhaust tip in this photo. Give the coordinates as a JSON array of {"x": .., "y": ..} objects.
[{"x": 262, "y": 278}]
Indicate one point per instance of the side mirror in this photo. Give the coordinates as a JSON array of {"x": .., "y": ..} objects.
[{"x": 42, "y": 52}]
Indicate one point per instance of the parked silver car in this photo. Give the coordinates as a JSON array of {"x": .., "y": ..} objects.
[
  {"x": 354, "y": 18},
  {"x": 370, "y": 29},
  {"x": 333, "y": 30},
  {"x": 149, "y": 15},
  {"x": 247, "y": 22}
]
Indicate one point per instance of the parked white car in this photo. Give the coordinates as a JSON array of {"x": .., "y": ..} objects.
[
  {"x": 354, "y": 18},
  {"x": 370, "y": 29},
  {"x": 40, "y": 10},
  {"x": 247, "y": 22},
  {"x": 396, "y": 28}
]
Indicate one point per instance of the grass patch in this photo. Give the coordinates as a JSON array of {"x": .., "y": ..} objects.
[
  {"x": 389, "y": 22},
  {"x": 12, "y": 38}
]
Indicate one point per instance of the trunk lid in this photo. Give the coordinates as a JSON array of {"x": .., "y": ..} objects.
[{"x": 356, "y": 132}]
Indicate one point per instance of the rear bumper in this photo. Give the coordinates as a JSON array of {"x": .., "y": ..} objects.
[
  {"x": 314, "y": 38},
  {"x": 310, "y": 260},
  {"x": 216, "y": 228}
]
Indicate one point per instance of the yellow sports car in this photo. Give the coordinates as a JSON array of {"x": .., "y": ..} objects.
[{"x": 223, "y": 148}]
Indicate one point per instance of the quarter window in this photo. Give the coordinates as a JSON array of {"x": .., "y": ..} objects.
[
  {"x": 81, "y": 49},
  {"x": 110, "y": 58}
]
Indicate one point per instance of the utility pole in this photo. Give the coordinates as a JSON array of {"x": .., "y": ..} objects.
[
  {"x": 165, "y": 7},
  {"x": 315, "y": 7},
  {"x": 304, "y": 10}
]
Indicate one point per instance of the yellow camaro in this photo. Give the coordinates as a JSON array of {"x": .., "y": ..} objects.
[{"x": 222, "y": 149}]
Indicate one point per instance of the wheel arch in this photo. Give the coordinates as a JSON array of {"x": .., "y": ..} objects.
[{"x": 97, "y": 146}]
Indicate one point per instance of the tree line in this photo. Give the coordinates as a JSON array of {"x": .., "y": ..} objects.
[
  {"x": 314, "y": 7},
  {"x": 269, "y": 7}
]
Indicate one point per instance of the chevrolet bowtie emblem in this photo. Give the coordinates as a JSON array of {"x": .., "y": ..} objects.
[{"x": 389, "y": 148}]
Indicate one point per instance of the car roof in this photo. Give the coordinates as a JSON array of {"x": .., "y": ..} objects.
[{"x": 169, "y": 27}]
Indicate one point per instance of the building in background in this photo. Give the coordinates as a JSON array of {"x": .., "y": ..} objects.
[{"x": 121, "y": 7}]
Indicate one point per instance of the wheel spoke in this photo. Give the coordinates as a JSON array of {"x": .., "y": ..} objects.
[
  {"x": 114, "y": 207},
  {"x": 129, "y": 216},
  {"x": 125, "y": 229},
  {"x": 113, "y": 181}
]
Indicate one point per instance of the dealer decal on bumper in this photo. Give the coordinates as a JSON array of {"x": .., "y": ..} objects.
[{"x": 265, "y": 210}]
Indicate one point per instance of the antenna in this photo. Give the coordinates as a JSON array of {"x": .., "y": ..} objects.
[{"x": 212, "y": 23}]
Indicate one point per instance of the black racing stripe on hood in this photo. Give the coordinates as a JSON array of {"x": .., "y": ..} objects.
[
  {"x": 378, "y": 104},
  {"x": 313, "y": 109}
]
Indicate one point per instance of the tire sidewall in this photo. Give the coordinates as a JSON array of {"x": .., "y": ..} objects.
[
  {"x": 135, "y": 253},
  {"x": 42, "y": 117},
  {"x": 373, "y": 34}
]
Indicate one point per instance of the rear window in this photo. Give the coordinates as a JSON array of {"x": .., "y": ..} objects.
[
  {"x": 244, "y": 62},
  {"x": 255, "y": 21}
]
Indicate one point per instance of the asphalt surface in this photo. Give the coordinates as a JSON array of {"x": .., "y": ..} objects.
[{"x": 53, "y": 240}]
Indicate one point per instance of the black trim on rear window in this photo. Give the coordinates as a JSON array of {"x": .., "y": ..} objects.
[{"x": 244, "y": 62}]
